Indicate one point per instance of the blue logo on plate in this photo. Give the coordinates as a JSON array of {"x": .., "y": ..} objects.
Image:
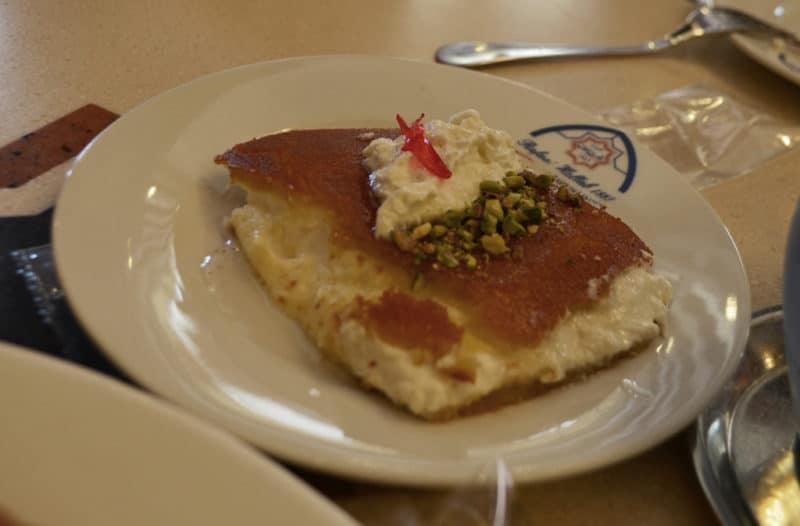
[{"x": 600, "y": 161}]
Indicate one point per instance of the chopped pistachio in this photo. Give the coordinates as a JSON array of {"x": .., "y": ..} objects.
[
  {"x": 529, "y": 176},
  {"x": 475, "y": 210},
  {"x": 489, "y": 224},
  {"x": 569, "y": 197},
  {"x": 446, "y": 258},
  {"x": 438, "y": 231},
  {"x": 510, "y": 173},
  {"x": 531, "y": 214},
  {"x": 464, "y": 234},
  {"x": 542, "y": 181},
  {"x": 512, "y": 227},
  {"x": 453, "y": 218},
  {"x": 511, "y": 200},
  {"x": 513, "y": 207},
  {"x": 421, "y": 231},
  {"x": 428, "y": 248},
  {"x": 494, "y": 244},
  {"x": 442, "y": 245},
  {"x": 404, "y": 242},
  {"x": 514, "y": 182},
  {"x": 493, "y": 187},
  {"x": 493, "y": 208}
]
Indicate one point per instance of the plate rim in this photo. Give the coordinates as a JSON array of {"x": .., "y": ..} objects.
[
  {"x": 711, "y": 440},
  {"x": 753, "y": 47},
  {"x": 391, "y": 472}
]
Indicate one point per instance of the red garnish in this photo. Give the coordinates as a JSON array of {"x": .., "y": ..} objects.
[{"x": 421, "y": 149}]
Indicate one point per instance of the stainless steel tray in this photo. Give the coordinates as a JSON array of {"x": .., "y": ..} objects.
[{"x": 743, "y": 444}]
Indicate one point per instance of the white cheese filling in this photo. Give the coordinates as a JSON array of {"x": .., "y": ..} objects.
[
  {"x": 632, "y": 313},
  {"x": 410, "y": 195}
]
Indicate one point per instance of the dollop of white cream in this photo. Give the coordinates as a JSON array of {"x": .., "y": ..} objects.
[{"x": 410, "y": 195}]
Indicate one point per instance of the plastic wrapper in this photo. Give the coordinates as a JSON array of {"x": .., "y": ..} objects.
[
  {"x": 490, "y": 503},
  {"x": 707, "y": 136},
  {"x": 36, "y": 266},
  {"x": 487, "y": 500}
]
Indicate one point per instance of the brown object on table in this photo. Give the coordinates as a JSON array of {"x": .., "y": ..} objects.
[
  {"x": 39, "y": 151},
  {"x": 6, "y": 520}
]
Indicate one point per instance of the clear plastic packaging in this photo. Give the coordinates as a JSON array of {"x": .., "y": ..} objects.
[
  {"x": 489, "y": 504},
  {"x": 706, "y": 135},
  {"x": 37, "y": 268}
]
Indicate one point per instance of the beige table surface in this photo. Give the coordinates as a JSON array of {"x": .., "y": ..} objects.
[{"x": 58, "y": 55}]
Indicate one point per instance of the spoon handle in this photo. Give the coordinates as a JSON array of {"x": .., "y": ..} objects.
[
  {"x": 484, "y": 53},
  {"x": 791, "y": 311}
]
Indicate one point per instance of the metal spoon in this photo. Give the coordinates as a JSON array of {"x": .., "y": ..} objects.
[{"x": 700, "y": 22}]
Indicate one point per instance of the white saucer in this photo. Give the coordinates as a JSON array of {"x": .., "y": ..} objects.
[{"x": 142, "y": 255}]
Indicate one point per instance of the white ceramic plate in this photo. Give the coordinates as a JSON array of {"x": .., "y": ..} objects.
[
  {"x": 79, "y": 449},
  {"x": 780, "y": 13},
  {"x": 140, "y": 248}
]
